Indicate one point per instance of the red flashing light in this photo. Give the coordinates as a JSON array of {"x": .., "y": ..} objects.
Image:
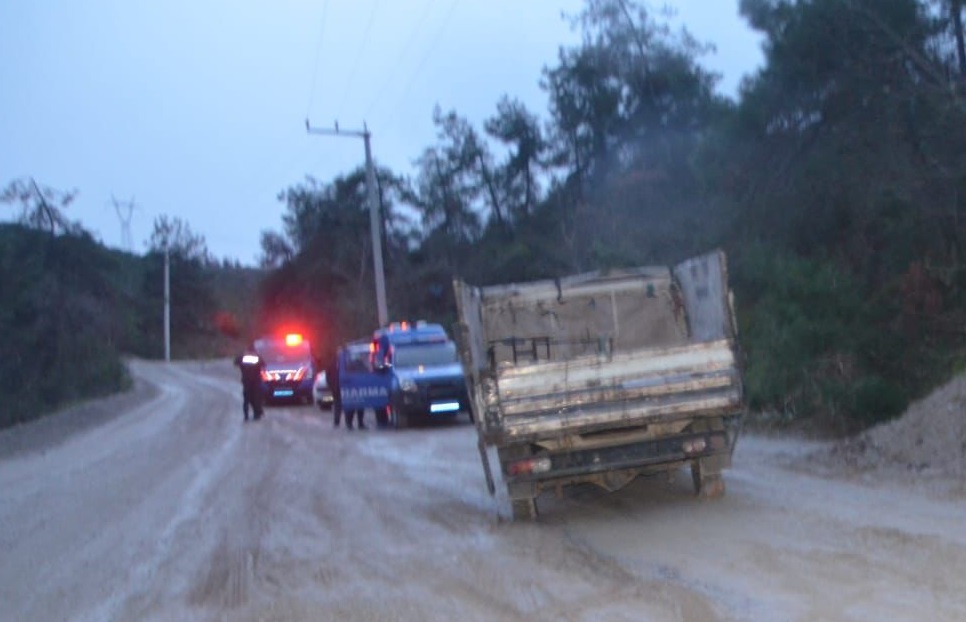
[{"x": 293, "y": 339}]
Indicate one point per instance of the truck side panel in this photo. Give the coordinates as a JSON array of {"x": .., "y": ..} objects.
[
  {"x": 619, "y": 314},
  {"x": 703, "y": 282},
  {"x": 577, "y": 397}
]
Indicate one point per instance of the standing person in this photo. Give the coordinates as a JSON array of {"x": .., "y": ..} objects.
[
  {"x": 359, "y": 412},
  {"x": 332, "y": 378},
  {"x": 251, "y": 366}
]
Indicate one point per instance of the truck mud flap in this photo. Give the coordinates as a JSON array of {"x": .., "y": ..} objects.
[{"x": 485, "y": 459}]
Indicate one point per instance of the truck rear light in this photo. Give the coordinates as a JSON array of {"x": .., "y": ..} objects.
[
  {"x": 531, "y": 465},
  {"x": 694, "y": 446}
]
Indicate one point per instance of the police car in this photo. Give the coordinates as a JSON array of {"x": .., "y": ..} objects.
[{"x": 289, "y": 369}]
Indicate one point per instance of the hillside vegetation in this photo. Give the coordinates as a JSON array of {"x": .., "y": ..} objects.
[
  {"x": 71, "y": 309},
  {"x": 835, "y": 181}
]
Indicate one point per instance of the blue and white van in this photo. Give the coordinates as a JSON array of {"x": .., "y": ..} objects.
[
  {"x": 289, "y": 367},
  {"x": 405, "y": 373}
]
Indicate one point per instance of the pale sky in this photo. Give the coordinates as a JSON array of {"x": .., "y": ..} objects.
[{"x": 196, "y": 108}]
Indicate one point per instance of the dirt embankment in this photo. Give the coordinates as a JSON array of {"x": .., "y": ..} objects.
[{"x": 927, "y": 443}]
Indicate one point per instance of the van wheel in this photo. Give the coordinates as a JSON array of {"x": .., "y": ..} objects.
[{"x": 400, "y": 419}]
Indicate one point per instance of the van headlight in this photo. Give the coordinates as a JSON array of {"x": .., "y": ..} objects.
[{"x": 408, "y": 385}]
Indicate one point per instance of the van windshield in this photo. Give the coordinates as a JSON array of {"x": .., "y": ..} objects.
[
  {"x": 426, "y": 354},
  {"x": 277, "y": 351}
]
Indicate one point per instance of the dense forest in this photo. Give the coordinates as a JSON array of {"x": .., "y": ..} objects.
[
  {"x": 71, "y": 308},
  {"x": 833, "y": 181}
]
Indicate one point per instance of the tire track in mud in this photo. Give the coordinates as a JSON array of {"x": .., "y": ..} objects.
[
  {"x": 226, "y": 583},
  {"x": 198, "y": 446},
  {"x": 96, "y": 497},
  {"x": 289, "y": 519},
  {"x": 241, "y": 508},
  {"x": 497, "y": 569}
]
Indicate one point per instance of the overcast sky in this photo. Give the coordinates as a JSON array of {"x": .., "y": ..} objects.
[{"x": 196, "y": 108}]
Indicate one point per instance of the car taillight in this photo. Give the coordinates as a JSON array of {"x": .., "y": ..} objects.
[{"x": 531, "y": 465}]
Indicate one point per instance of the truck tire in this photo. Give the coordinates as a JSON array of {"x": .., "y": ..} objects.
[
  {"x": 524, "y": 509},
  {"x": 382, "y": 417},
  {"x": 707, "y": 484}
]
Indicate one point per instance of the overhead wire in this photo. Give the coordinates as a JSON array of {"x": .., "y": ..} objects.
[
  {"x": 402, "y": 55},
  {"x": 355, "y": 63},
  {"x": 429, "y": 51},
  {"x": 318, "y": 54}
]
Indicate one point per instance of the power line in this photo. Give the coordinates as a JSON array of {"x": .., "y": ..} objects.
[
  {"x": 318, "y": 53},
  {"x": 429, "y": 51},
  {"x": 355, "y": 63},
  {"x": 405, "y": 52}
]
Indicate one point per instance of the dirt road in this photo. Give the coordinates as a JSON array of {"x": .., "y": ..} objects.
[{"x": 172, "y": 509}]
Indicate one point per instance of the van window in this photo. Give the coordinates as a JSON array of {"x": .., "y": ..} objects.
[
  {"x": 357, "y": 361},
  {"x": 427, "y": 354},
  {"x": 277, "y": 351}
]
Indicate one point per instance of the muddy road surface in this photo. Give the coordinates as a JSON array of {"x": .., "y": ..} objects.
[{"x": 167, "y": 507}]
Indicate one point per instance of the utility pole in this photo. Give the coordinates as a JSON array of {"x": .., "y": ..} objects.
[
  {"x": 167, "y": 303},
  {"x": 374, "y": 224}
]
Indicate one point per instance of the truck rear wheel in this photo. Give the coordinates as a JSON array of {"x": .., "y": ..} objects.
[
  {"x": 524, "y": 509},
  {"x": 382, "y": 417}
]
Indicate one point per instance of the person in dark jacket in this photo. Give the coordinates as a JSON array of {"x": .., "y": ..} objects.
[
  {"x": 251, "y": 366},
  {"x": 332, "y": 378},
  {"x": 359, "y": 412}
]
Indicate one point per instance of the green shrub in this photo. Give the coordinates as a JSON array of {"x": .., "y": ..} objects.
[
  {"x": 875, "y": 399},
  {"x": 816, "y": 345}
]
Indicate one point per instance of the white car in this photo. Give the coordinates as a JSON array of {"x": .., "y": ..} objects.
[{"x": 321, "y": 392}]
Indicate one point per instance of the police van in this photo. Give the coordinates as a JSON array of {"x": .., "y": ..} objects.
[
  {"x": 405, "y": 373},
  {"x": 289, "y": 367}
]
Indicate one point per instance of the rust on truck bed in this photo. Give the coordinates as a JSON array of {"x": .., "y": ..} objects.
[{"x": 589, "y": 394}]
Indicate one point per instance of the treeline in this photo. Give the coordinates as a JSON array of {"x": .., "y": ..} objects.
[
  {"x": 834, "y": 182},
  {"x": 70, "y": 308}
]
